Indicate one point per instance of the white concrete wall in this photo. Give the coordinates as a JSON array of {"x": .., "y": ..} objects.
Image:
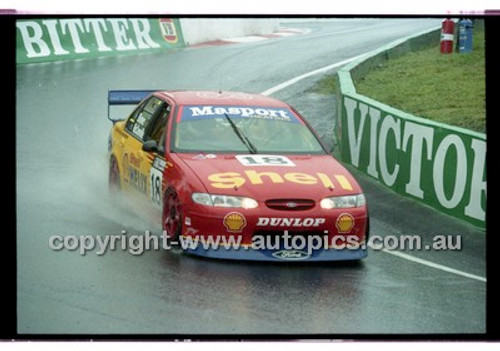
[{"x": 199, "y": 30}]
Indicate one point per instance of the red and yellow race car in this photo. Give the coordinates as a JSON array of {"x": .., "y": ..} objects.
[{"x": 236, "y": 175}]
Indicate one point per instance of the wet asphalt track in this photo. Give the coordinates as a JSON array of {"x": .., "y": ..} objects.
[{"x": 61, "y": 146}]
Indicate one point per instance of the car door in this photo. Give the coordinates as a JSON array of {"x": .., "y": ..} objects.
[
  {"x": 136, "y": 163},
  {"x": 154, "y": 149}
]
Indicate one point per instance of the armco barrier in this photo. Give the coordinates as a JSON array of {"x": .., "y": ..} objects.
[
  {"x": 42, "y": 40},
  {"x": 437, "y": 164}
]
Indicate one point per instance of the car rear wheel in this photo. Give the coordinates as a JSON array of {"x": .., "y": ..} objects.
[
  {"x": 172, "y": 216},
  {"x": 114, "y": 176}
]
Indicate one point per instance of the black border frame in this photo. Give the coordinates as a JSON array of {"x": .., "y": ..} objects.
[{"x": 8, "y": 332}]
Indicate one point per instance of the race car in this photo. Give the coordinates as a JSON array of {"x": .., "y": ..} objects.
[{"x": 236, "y": 176}]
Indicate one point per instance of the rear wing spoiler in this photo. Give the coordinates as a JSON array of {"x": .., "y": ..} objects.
[{"x": 126, "y": 97}]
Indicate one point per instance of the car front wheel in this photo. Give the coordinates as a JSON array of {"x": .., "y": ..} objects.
[{"x": 172, "y": 216}]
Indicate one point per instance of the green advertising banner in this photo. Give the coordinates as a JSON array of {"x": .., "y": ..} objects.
[
  {"x": 42, "y": 40},
  {"x": 440, "y": 165}
]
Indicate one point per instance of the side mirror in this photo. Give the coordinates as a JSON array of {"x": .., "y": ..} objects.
[{"x": 150, "y": 146}]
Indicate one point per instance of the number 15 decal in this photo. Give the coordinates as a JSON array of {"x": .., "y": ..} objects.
[{"x": 265, "y": 160}]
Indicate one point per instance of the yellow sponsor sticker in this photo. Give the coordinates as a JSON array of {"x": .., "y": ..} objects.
[
  {"x": 234, "y": 222},
  {"x": 344, "y": 223},
  {"x": 228, "y": 180}
]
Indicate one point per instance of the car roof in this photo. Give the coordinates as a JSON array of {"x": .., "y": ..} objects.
[{"x": 208, "y": 97}]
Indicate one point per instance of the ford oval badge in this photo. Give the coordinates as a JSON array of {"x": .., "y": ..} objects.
[{"x": 291, "y": 255}]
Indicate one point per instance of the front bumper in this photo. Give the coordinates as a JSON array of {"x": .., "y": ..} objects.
[
  {"x": 280, "y": 255},
  {"x": 247, "y": 224}
]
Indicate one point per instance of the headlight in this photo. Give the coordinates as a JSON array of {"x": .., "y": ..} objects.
[
  {"x": 343, "y": 201},
  {"x": 224, "y": 200}
]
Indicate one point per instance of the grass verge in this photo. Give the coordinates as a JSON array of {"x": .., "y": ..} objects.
[{"x": 447, "y": 88}]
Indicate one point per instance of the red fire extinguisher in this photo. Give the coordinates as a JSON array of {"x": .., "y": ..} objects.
[{"x": 447, "y": 32}]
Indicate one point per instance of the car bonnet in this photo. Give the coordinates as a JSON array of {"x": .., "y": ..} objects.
[{"x": 265, "y": 177}]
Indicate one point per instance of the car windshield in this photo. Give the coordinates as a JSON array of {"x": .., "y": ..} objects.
[{"x": 242, "y": 129}]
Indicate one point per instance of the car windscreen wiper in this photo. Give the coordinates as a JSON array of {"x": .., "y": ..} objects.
[{"x": 244, "y": 139}]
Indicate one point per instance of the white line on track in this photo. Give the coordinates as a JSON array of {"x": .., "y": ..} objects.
[
  {"x": 307, "y": 75},
  {"x": 434, "y": 265},
  {"x": 395, "y": 253}
]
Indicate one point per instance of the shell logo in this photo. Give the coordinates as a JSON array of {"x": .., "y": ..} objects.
[
  {"x": 234, "y": 222},
  {"x": 345, "y": 223}
]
